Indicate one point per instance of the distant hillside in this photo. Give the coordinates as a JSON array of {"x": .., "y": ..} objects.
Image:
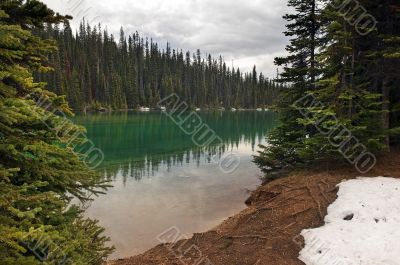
[{"x": 93, "y": 69}]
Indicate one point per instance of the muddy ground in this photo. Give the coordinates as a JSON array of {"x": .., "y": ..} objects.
[{"x": 267, "y": 232}]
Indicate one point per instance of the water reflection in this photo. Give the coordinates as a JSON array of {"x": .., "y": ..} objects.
[
  {"x": 136, "y": 144},
  {"x": 161, "y": 179}
]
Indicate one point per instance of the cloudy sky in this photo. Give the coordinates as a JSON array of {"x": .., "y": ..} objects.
[{"x": 245, "y": 32}]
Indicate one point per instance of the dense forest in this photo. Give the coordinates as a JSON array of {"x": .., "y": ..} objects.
[
  {"x": 93, "y": 69},
  {"x": 339, "y": 101},
  {"x": 345, "y": 57}
]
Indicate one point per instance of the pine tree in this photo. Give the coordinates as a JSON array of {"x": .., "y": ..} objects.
[
  {"x": 300, "y": 72},
  {"x": 134, "y": 70},
  {"x": 352, "y": 79},
  {"x": 39, "y": 171}
]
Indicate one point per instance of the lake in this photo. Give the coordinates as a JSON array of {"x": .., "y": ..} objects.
[{"x": 162, "y": 179}]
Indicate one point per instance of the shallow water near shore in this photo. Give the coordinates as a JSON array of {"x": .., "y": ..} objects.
[{"x": 161, "y": 179}]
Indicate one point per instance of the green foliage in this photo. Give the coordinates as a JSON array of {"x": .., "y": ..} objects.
[
  {"x": 353, "y": 77},
  {"x": 92, "y": 67},
  {"x": 39, "y": 175}
]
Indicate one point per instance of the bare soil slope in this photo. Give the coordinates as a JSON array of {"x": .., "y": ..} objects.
[{"x": 267, "y": 232}]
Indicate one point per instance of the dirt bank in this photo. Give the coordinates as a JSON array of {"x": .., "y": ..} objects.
[{"x": 267, "y": 231}]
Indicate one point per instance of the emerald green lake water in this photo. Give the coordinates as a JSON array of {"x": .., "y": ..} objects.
[{"x": 162, "y": 179}]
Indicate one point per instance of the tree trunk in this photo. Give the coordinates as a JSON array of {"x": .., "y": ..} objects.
[
  {"x": 313, "y": 44},
  {"x": 386, "y": 110}
]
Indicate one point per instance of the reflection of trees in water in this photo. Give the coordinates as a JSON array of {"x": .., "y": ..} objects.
[
  {"x": 139, "y": 144},
  {"x": 151, "y": 164}
]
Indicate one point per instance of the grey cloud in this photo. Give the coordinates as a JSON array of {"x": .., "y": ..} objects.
[{"x": 248, "y": 32}]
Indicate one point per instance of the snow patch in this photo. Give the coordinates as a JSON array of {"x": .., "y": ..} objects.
[{"x": 362, "y": 226}]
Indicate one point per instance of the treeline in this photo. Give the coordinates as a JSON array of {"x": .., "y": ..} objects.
[
  {"x": 93, "y": 69},
  {"x": 345, "y": 55}
]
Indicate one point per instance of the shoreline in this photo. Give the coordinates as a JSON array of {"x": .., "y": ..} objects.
[
  {"x": 158, "y": 110},
  {"x": 268, "y": 230}
]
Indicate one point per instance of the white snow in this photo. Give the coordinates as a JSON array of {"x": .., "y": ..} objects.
[{"x": 371, "y": 237}]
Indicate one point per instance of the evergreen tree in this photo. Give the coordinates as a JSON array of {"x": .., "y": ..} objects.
[
  {"x": 39, "y": 173},
  {"x": 352, "y": 80},
  {"x": 300, "y": 73},
  {"x": 135, "y": 72}
]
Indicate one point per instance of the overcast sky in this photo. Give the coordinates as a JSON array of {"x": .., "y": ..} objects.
[{"x": 249, "y": 32}]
